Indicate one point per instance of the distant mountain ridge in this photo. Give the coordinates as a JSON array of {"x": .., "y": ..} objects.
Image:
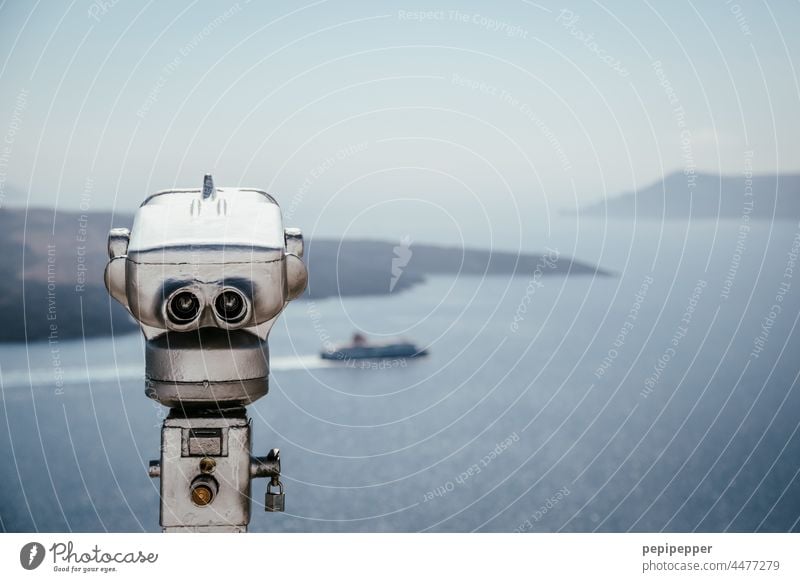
[
  {"x": 762, "y": 197},
  {"x": 51, "y": 276}
]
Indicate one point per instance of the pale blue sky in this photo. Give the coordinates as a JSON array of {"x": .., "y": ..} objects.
[{"x": 474, "y": 114}]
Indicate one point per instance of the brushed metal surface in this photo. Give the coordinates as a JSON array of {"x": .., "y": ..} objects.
[{"x": 206, "y": 358}]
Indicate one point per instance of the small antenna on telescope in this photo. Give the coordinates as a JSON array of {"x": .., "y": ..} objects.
[{"x": 208, "y": 187}]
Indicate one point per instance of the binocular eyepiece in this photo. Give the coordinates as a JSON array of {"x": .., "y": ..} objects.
[{"x": 183, "y": 308}]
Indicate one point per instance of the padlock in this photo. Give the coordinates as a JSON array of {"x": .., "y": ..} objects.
[{"x": 275, "y": 501}]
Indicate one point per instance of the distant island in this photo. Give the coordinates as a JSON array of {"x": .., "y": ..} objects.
[
  {"x": 707, "y": 196},
  {"x": 61, "y": 270}
]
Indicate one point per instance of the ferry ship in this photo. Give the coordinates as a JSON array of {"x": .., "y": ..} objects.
[{"x": 360, "y": 349}]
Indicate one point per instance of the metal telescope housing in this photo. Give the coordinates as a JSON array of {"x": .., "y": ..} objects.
[{"x": 206, "y": 272}]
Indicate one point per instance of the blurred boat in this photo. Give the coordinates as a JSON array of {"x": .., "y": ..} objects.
[{"x": 361, "y": 349}]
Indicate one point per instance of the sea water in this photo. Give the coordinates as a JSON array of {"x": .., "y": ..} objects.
[{"x": 663, "y": 397}]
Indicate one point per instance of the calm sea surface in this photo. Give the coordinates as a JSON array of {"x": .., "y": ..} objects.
[{"x": 664, "y": 398}]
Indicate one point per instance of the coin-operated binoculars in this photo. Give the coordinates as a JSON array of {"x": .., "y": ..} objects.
[{"x": 206, "y": 273}]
